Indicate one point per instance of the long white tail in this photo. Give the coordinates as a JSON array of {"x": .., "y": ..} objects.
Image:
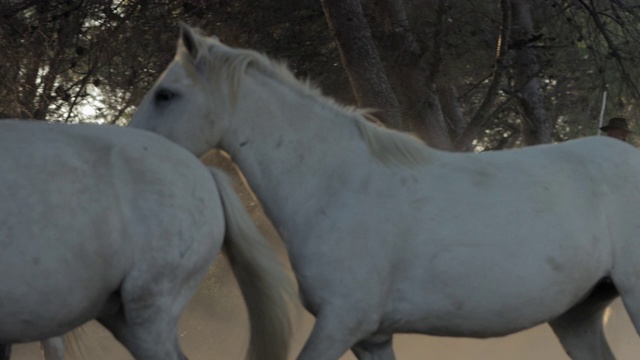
[{"x": 263, "y": 281}]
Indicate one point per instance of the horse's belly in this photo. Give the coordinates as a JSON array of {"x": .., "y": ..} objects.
[
  {"x": 479, "y": 316},
  {"x": 486, "y": 296}
]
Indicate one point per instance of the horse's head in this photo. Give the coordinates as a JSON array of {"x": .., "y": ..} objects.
[{"x": 181, "y": 105}]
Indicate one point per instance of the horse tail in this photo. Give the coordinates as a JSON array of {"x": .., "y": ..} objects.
[{"x": 265, "y": 285}]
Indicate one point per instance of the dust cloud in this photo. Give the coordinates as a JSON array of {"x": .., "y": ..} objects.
[{"x": 215, "y": 326}]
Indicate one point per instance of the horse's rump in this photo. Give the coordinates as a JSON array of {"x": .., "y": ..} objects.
[{"x": 78, "y": 204}]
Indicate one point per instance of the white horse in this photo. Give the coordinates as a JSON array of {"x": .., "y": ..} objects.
[
  {"x": 121, "y": 225},
  {"x": 387, "y": 235}
]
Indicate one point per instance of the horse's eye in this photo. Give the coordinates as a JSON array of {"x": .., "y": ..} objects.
[{"x": 164, "y": 95}]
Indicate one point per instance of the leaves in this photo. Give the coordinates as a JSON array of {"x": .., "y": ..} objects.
[{"x": 62, "y": 57}]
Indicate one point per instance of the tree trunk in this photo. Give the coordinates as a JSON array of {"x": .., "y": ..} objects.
[
  {"x": 29, "y": 84},
  {"x": 536, "y": 127},
  {"x": 448, "y": 95},
  {"x": 412, "y": 77},
  {"x": 361, "y": 60},
  {"x": 440, "y": 70}
]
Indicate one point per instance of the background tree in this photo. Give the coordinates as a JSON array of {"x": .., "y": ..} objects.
[
  {"x": 465, "y": 75},
  {"x": 536, "y": 127},
  {"x": 361, "y": 61},
  {"x": 74, "y": 60},
  {"x": 408, "y": 67}
]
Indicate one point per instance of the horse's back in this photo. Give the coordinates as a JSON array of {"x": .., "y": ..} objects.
[
  {"x": 81, "y": 207},
  {"x": 584, "y": 173}
]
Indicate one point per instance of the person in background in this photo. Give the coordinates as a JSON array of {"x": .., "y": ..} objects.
[{"x": 617, "y": 128}]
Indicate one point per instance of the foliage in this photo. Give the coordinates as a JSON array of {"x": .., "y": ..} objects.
[
  {"x": 68, "y": 59},
  {"x": 584, "y": 47},
  {"x": 83, "y": 60}
]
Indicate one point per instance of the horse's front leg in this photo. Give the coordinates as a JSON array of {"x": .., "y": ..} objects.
[
  {"x": 53, "y": 348},
  {"x": 340, "y": 328},
  {"x": 349, "y": 301},
  {"x": 332, "y": 336}
]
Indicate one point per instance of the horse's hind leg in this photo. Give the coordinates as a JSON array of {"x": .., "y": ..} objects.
[
  {"x": 5, "y": 351},
  {"x": 580, "y": 329},
  {"x": 148, "y": 337},
  {"x": 376, "y": 348},
  {"x": 334, "y": 332},
  {"x": 146, "y": 322}
]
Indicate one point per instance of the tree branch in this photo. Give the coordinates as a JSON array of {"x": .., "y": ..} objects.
[{"x": 480, "y": 118}]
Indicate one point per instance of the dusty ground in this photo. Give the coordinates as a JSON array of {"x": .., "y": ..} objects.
[{"x": 214, "y": 325}]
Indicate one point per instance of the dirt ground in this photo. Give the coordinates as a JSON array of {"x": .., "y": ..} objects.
[{"x": 214, "y": 325}]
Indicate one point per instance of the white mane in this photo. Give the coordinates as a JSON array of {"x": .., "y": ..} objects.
[
  {"x": 389, "y": 146},
  {"x": 392, "y": 146}
]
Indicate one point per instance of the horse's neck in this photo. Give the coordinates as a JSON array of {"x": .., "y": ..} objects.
[{"x": 294, "y": 149}]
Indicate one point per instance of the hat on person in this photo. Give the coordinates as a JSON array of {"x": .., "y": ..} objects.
[{"x": 616, "y": 123}]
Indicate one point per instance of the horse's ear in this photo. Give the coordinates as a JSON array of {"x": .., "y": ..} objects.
[{"x": 188, "y": 40}]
